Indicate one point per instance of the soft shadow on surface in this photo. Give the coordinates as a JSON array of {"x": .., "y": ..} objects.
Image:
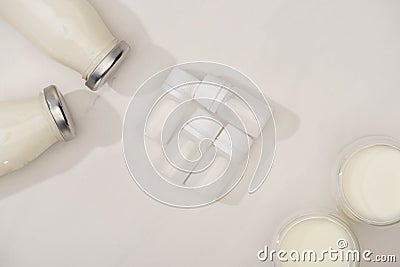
[
  {"x": 144, "y": 59},
  {"x": 286, "y": 123},
  {"x": 97, "y": 125}
]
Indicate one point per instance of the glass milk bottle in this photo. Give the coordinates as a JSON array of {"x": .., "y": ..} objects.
[
  {"x": 71, "y": 32},
  {"x": 30, "y": 126}
]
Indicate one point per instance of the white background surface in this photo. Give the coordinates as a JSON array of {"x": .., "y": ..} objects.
[{"x": 330, "y": 69}]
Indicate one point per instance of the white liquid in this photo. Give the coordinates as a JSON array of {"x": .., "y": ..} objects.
[
  {"x": 27, "y": 129},
  {"x": 371, "y": 184},
  {"x": 317, "y": 233},
  {"x": 70, "y": 31}
]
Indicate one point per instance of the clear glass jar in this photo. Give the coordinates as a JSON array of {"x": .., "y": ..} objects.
[
  {"x": 368, "y": 180},
  {"x": 305, "y": 239}
]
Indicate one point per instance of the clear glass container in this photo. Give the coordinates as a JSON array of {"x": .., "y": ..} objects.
[
  {"x": 368, "y": 180},
  {"x": 305, "y": 239}
]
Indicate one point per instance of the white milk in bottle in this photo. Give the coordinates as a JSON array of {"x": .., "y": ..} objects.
[
  {"x": 70, "y": 31},
  {"x": 30, "y": 126}
]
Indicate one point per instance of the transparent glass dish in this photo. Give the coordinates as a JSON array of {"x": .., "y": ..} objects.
[
  {"x": 368, "y": 180},
  {"x": 306, "y": 237}
]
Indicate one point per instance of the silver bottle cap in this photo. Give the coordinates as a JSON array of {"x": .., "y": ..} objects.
[
  {"x": 107, "y": 66},
  {"x": 59, "y": 111}
]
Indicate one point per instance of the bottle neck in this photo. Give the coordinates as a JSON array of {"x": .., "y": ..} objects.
[
  {"x": 108, "y": 64},
  {"x": 54, "y": 131},
  {"x": 57, "y": 109},
  {"x": 99, "y": 58}
]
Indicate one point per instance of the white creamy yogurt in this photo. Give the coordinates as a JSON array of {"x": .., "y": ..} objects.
[
  {"x": 317, "y": 234},
  {"x": 370, "y": 184}
]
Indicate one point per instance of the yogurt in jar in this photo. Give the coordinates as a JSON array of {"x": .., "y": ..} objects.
[
  {"x": 369, "y": 184},
  {"x": 307, "y": 241}
]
